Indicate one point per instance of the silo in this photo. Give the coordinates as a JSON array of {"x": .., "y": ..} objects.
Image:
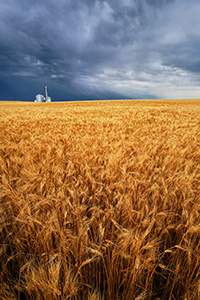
[{"x": 39, "y": 98}]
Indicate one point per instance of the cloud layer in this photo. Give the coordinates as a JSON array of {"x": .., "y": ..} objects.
[{"x": 85, "y": 49}]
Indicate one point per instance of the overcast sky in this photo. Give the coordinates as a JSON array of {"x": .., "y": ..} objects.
[{"x": 95, "y": 49}]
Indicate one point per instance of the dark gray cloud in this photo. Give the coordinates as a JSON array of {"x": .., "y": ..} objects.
[{"x": 99, "y": 49}]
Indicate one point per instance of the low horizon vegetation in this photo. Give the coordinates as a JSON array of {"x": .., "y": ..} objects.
[{"x": 100, "y": 200}]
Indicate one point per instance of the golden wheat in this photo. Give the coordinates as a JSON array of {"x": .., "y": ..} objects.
[{"x": 100, "y": 200}]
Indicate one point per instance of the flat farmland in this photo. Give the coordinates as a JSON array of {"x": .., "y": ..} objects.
[{"x": 100, "y": 200}]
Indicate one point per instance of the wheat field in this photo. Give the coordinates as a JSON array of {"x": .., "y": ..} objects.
[{"x": 100, "y": 200}]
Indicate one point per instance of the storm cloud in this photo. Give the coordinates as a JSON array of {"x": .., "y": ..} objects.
[{"x": 85, "y": 49}]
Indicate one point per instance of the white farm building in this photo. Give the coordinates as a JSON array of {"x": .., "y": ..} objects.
[{"x": 41, "y": 98}]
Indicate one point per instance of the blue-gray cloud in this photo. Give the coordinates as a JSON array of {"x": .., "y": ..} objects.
[{"x": 99, "y": 49}]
